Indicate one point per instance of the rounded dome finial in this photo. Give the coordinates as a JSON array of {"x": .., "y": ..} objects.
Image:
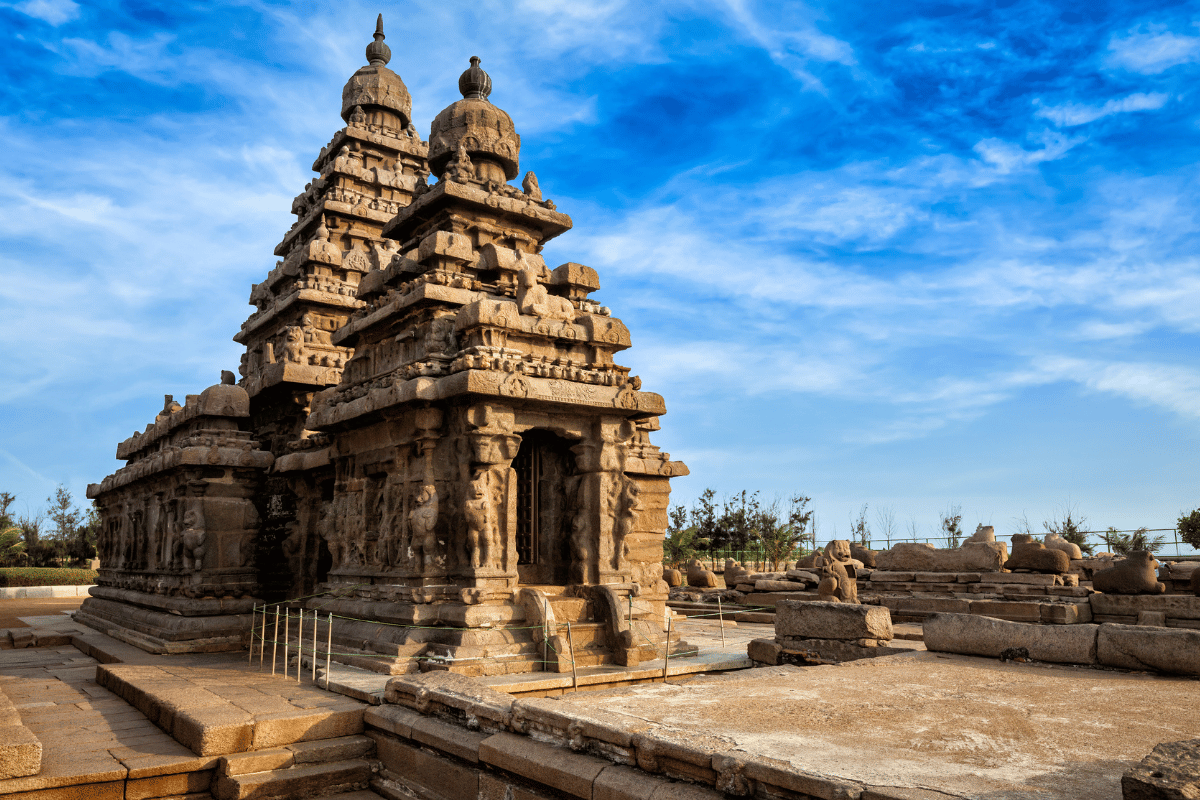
[
  {"x": 378, "y": 53},
  {"x": 475, "y": 84}
]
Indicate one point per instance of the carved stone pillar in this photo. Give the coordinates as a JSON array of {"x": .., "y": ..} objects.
[{"x": 493, "y": 446}]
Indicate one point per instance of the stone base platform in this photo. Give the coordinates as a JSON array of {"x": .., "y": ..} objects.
[{"x": 168, "y": 625}]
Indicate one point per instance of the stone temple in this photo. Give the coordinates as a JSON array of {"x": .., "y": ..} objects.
[{"x": 430, "y": 435}]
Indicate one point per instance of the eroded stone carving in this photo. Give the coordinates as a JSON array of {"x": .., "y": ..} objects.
[
  {"x": 1135, "y": 575},
  {"x": 837, "y": 581}
]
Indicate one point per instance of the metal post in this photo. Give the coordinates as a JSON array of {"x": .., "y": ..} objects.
[
  {"x": 287, "y": 621},
  {"x": 631, "y": 614},
  {"x": 328, "y": 650},
  {"x": 300, "y": 646},
  {"x": 571, "y": 647},
  {"x": 275, "y": 640},
  {"x": 314, "y": 654},
  {"x": 667, "y": 649},
  {"x": 262, "y": 645},
  {"x": 720, "y": 620}
]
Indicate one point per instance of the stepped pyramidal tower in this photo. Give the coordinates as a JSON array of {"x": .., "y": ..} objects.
[{"x": 430, "y": 436}]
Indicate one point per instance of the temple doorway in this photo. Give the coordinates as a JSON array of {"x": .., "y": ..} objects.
[{"x": 544, "y": 467}]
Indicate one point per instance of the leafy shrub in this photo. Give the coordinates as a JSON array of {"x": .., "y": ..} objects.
[
  {"x": 1189, "y": 528},
  {"x": 46, "y": 576}
]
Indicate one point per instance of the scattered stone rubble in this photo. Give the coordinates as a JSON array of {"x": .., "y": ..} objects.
[{"x": 1170, "y": 772}]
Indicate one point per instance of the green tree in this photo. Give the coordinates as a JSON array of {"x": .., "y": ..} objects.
[
  {"x": 1124, "y": 544},
  {"x": 64, "y": 519},
  {"x": 780, "y": 538},
  {"x": 737, "y": 525},
  {"x": 1069, "y": 524},
  {"x": 1189, "y": 528},
  {"x": 950, "y": 522},
  {"x": 681, "y": 546},
  {"x": 704, "y": 517}
]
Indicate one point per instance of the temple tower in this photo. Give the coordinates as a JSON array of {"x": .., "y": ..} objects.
[
  {"x": 366, "y": 174},
  {"x": 484, "y": 441}
]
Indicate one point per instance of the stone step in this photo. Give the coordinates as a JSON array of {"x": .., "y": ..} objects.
[
  {"x": 569, "y": 609},
  {"x": 322, "y": 751},
  {"x": 296, "y": 782},
  {"x": 584, "y": 634}
]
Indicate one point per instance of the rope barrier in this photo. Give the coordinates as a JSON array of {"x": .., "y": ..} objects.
[{"x": 259, "y": 634}]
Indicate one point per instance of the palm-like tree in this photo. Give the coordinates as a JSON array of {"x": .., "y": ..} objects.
[{"x": 12, "y": 544}]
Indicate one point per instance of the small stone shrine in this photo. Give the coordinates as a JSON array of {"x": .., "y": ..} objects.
[{"x": 430, "y": 432}]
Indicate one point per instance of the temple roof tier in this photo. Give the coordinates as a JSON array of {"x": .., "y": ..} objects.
[{"x": 507, "y": 204}]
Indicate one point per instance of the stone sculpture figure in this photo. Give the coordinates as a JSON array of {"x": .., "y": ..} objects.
[
  {"x": 983, "y": 533},
  {"x": 700, "y": 577},
  {"x": 1056, "y": 542},
  {"x": 629, "y": 506},
  {"x": 1029, "y": 554},
  {"x": 481, "y": 534},
  {"x": 421, "y": 521},
  {"x": 837, "y": 584},
  {"x": 193, "y": 541},
  {"x": 460, "y": 169},
  {"x": 735, "y": 573},
  {"x": 533, "y": 299},
  {"x": 531, "y": 188},
  {"x": 672, "y": 577},
  {"x": 293, "y": 344},
  {"x": 1135, "y": 575}
]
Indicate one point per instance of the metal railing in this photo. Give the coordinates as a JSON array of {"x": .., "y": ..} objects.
[{"x": 1173, "y": 546}]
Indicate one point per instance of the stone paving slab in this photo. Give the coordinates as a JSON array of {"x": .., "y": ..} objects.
[
  {"x": 94, "y": 745},
  {"x": 925, "y": 722},
  {"x": 217, "y": 711}
]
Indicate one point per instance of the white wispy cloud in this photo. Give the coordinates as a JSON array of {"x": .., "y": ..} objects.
[
  {"x": 1152, "y": 49},
  {"x": 1072, "y": 114},
  {"x": 1008, "y": 157},
  {"x": 55, "y": 12}
]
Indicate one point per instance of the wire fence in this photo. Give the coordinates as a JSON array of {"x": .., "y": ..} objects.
[{"x": 1171, "y": 546}]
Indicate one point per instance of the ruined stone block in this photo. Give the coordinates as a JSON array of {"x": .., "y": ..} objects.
[
  {"x": 825, "y": 620},
  {"x": 986, "y": 636}
]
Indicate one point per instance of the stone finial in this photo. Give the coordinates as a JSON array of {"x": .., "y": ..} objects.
[
  {"x": 475, "y": 84},
  {"x": 227, "y": 378},
  {"x": 378, "y": 53}
]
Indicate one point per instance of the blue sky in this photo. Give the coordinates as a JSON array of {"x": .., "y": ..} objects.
[{"x": 913, "y": 255}]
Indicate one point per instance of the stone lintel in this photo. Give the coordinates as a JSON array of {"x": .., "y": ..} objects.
[
  {"x": 317, "y": 298},
  {"x": 179, "y": 458},
  {"x": 423, "y": 294},
  {"x": 511, "y": 387},
  {"x": 449, "y": 193},
  {"x": 288, "y": 372},
  {"x": 410, "y": 146}
]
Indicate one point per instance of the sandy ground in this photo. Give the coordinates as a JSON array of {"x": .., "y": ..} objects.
[
  {"x": 10, "y": 610},
  {"x": 968, "y": 726}
]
